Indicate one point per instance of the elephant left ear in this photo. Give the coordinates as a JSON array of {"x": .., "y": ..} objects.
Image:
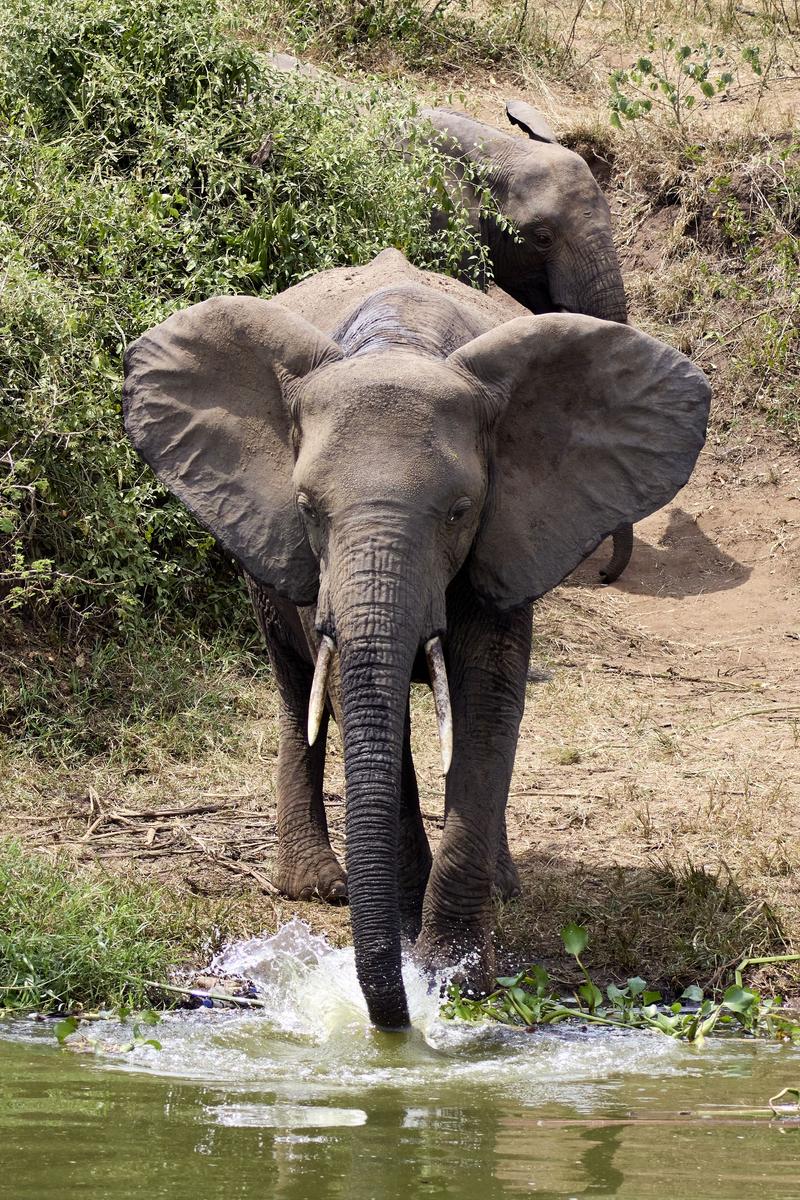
[
  {"x": 598, "y": 425},
  {"x": 529, "y": 119}
]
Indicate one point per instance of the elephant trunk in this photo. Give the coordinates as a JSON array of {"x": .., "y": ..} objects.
[
  {"x": 589, "y": 281},
  {"x": 380, "y": 621}
]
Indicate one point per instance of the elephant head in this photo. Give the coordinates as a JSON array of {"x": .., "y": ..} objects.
[
  {"x": 361, "y": 472},
  {"x": 555, "y": 250}
]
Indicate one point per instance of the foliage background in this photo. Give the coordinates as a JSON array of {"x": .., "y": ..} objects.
[{"x": 127, "y": 189}]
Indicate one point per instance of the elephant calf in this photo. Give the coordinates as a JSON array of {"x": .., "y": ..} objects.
[
  {"x": 554, "y": 250},
  {"x": 401, "y": 471}
]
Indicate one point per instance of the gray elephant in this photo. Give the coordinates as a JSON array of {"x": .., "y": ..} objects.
[
  {"x": 555, "y": 250},
  {"x": 401, "y": 470}
]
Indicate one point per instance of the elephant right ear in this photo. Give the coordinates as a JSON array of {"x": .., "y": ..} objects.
[
  {"x": 529, "y": 119},
  {"x": 597, "y": 425},
  {"x": 204, "y": 406}
]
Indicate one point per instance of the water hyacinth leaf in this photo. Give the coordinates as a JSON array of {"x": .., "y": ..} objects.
[
  {"x": 649, "y": 998},
  {"x": 637, "y": 985},
  {"x": 591, "y": 994},
  {"x": 537, "y": 976},
  {"x": 617, "y": 995},
  {"x": 575, "y": 939},
  {"x": 739, "y": 1000},
  {"x": 64, "y": 1028},
  {"x": 509, "y": 981},
  {"x": 693, "y": 994}
]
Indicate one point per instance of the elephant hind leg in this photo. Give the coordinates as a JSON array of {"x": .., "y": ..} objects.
[{"x": 621, "y": 556}]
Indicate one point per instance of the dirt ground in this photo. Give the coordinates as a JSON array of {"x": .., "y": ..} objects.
[
  {"x": 656, "y": 796},
  {"x": 656, "y": 789}
]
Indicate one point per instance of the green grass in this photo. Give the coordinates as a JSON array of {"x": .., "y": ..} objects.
[
  {"x": 83, "y": 940},
  {"x": 132, "y": 700}
]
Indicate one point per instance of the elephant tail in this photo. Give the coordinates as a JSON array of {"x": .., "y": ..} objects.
[{"x": 623, "y": 549}]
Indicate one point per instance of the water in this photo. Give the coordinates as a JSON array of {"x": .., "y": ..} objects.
[{"x": 304, "y": 1101}]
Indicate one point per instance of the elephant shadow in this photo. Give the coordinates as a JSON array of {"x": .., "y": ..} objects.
[
  {"x": 683, "y": 562},
  {"x": 672, "y": 923}
]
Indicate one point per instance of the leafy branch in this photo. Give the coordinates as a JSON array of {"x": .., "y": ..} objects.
[{"x": 671, "y": 79}]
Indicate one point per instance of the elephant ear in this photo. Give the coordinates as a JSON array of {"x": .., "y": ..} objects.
[
  {"x": 204, "y": 407},
  {"x": 598, "y": 425},
  {"x": 529, "y": 119}
]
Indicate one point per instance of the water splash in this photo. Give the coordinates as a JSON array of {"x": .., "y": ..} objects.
[
  {"x": 313, "y": 1042},
  {"x": 311, "y": 988}
]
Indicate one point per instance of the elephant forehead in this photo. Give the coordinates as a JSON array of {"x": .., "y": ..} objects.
[
  {"x": 385, "y": 393},
  {"x": 558, "y": 179},
  {"x": 376, "y": 426}
]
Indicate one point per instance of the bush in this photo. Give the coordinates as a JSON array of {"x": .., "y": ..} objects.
[{"x": 128, "y": 130}]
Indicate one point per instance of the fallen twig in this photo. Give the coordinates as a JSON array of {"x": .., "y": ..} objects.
[
  {"x": 241, "y": 868},
  {"x": 669, "y": 674},
  {"x": 195, "y": 994},
  {"x": 755, "y": 712}
]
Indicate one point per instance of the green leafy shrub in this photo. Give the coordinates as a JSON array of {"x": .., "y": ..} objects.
[
  {"x": 129, "y": 187},
  {"x": 671, "y": 79}
]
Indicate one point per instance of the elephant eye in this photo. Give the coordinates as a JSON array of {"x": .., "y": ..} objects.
[
  {"x": 458, "y": 510},
  {"x": 543, "y": 237},
  {"x": 308, "y": 511}
]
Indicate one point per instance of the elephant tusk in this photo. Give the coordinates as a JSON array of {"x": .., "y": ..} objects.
[
  {"x": 319, "y": 686},
  {"x": 441, "y": 699}
]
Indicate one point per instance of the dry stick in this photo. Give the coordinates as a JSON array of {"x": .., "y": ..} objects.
[
  {"x": 240, "y": 868},
  {"x": 148, "y": 814},
  {"x": 719, "y": 683},
  {"x": 154, "y": 852},
  {"x": 198, "y": 994},
  {"x": 754, "y": 712}
]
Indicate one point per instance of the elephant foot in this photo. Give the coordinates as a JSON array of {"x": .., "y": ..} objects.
[
  {"x": 411, "y": 914},
  {"x": 470, "y": 952},
  {"x": 324, "y": 880},
  {"x": 507, "y": 883},
  {"x": 412, "y": 881}
]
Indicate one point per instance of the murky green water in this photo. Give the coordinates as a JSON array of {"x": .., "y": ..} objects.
[{"x": 305, "y": 1102}]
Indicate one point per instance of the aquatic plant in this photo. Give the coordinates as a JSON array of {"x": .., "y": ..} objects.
[{"x": 527, "y": 999}]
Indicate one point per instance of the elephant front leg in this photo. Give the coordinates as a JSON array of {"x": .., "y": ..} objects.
[
  {"x": 507, "y": 883},
  {"x": 488, "y": 657},
  {"x": 306, "y": 865}
]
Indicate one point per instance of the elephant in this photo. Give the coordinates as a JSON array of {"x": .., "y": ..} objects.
[
  {"x": 554, "y": 249},
  {"x": 401, "y": 466}
]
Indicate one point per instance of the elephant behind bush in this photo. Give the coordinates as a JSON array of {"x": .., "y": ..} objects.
[{"x": 553, "y": 248}]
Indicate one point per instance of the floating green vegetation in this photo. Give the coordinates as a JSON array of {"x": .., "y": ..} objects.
[{"x": 527, "y": 999}]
